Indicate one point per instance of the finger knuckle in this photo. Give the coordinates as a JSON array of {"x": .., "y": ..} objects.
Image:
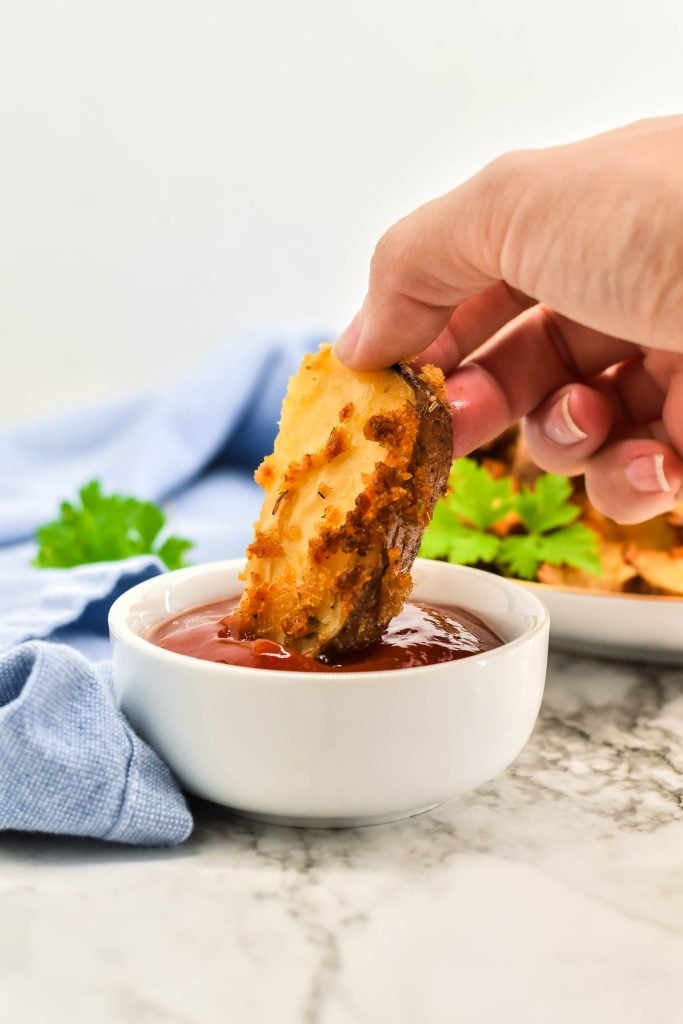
[
  {"x": 384, "y": 255},
  {"x": 507, "y": 167},
  {"x": 395, "y": 265}
]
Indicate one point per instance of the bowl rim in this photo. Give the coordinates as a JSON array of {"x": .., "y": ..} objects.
[{"x": 119, "y": 628}]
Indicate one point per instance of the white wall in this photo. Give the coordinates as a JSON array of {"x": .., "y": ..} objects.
[{"x": 170, "y": 169}]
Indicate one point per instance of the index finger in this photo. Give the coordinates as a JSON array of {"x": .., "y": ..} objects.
[{"x": 534, "y": 356}]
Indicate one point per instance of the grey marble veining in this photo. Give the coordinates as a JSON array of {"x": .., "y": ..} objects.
[{"x": 554, "y": 893}]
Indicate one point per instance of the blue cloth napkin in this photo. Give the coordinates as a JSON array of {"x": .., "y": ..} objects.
[{"x": 69, "y": 761}]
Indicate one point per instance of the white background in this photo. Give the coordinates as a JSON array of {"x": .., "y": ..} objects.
[{"x": 171, "y": 169}]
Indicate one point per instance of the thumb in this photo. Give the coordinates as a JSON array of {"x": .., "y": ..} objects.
[{"x": 428, "y": 263}]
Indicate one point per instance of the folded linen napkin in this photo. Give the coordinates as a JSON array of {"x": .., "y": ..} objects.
[{"x": 69, "y": 761}]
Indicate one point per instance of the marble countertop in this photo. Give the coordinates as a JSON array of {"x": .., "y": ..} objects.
[{"x": 553, "y": 894}]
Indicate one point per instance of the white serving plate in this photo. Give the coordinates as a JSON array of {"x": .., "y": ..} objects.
[
  {"x": 630, "y": 627},
  {"x": 332, "y": 749}
]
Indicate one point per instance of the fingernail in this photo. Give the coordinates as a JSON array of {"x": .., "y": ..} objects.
[
  {"x": 559, "y": 427},
  {"x": 646, "y": 474},
  {"x": 347, "y": 342}
]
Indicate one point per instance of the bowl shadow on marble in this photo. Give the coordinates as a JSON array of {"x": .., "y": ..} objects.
[{"x": 216, "y": 824}]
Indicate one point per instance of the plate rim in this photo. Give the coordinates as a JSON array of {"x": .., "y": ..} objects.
[{"x": 615, "y": 594}]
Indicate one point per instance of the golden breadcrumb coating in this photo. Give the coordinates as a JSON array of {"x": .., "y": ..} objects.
[{"x": 358, "y": 465}]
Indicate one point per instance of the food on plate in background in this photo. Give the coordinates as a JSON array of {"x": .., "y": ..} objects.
[
  {"x": 357, "y": 467},
  {"x": 505, "y": 515}
]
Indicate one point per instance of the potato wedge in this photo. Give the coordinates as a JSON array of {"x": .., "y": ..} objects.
[
  {"x": 616, "y": 572},
  {"x": 661, "y": 570},
  {"x": 358, "y": 465}
]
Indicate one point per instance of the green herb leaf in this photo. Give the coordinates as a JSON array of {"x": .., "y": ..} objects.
[
  {"x": 173, "y": 550},
  {"x": 469, "y": 546},
  {"x": 546, "y": 506},
  {"x": 106, "y": 528},
  {"x": 476, "y": 496},
  {"x": 521, "y": 556},
  {"x": 437, "y": 537},
  {"x": 447, "y": 537},
  {"x": 575, "y": 545}
]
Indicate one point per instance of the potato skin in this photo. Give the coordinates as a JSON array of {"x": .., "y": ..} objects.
[
  {"x": 383, "y": 443},
  {"x": 400, "y": 521}
]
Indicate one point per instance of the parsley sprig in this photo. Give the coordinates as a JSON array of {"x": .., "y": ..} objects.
[
  {"x": 468, "y": 526},
  {"x": 106, "y": 528}
]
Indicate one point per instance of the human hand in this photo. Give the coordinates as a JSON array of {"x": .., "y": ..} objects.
[{"x": 549, "y": 287}]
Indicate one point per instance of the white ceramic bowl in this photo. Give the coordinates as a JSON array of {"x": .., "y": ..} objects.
[{"x": 337, "y": 749}]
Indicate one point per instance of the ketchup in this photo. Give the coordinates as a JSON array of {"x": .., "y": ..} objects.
[{"x": 419, "y": 635}]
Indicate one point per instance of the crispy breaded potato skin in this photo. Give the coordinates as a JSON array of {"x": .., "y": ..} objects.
[{"x": 358, "y": 465}]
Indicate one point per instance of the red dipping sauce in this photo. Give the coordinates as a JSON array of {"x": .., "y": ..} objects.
[{"x": 419, "y": 635}]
